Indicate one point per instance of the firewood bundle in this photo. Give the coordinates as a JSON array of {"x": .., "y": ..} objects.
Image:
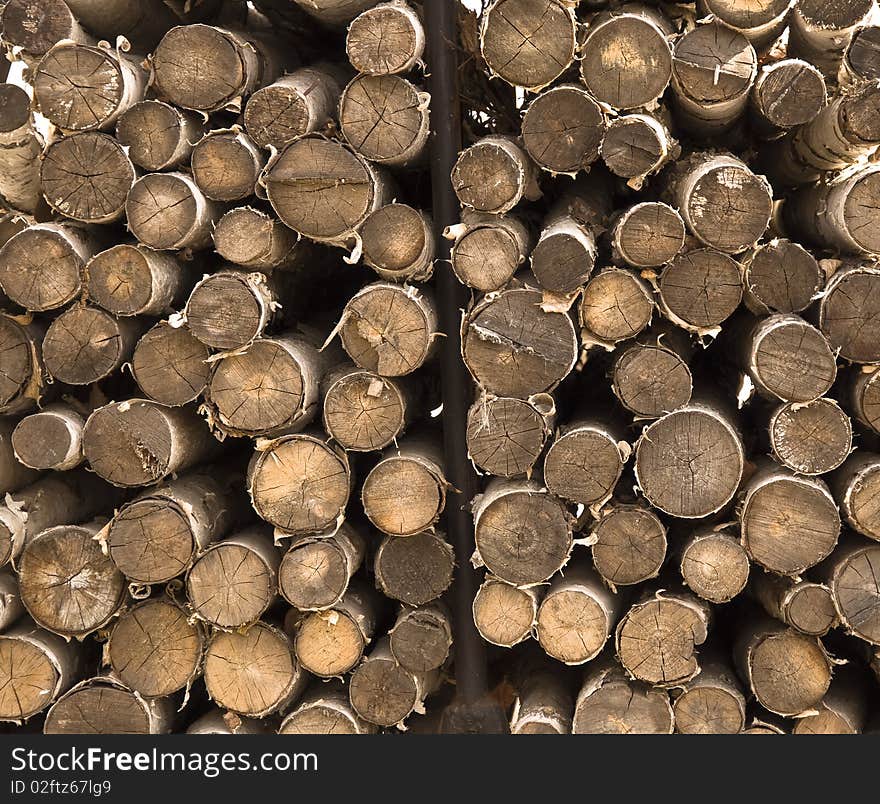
[{"x": 224, "y": 438}]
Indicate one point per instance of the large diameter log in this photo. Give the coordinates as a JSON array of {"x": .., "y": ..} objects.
[
  {"x": 513, "y": 347},
  {"x": 390, "y": 329},
  {"x": 759, "y": 21},
  {"x": 629, "y": 544},
  {"x": 398, "y": 243},
  {"x": 421, "y": 637},
  {"x": 315, "y": 572},
  {"x": 576, "y": 616},
  {"x": 848, "y": 313},
  {"x": 853, "y": 577},
  {"x": 860, "y": 57},
  {"x": 505, "y": 615},
  {"x": 714, "y": 565},
  {"x": 806, "y": 606},
  {"x": 636, "y": 146},
  {"x": 138, "y": 442},
  {"x": 488, "y": 249},
  {"x": 657, "y": 639},
  {"x": 713, "y": 68},
  {"x": 819, "y": 32},
  {"x": 68, "y": 585},
  {"x": 780, "y": 277},
  {"x": 787, "y": 93},
  {"x": 159, "y": 136},
  {"x": 523, "y": 534},
  {"x": 154, "y": 649},
  {"x": 36, "y": 25},
  {"x": 155, "y": 537},
  {"x": 23, "y": 374},
  {"x": 385, "y": 39},
  {"x": 812, "y": 438},
  {"x": 253, "y": 239},
  {"x": 543, "y": 704},
  {"x": 616, "y": 304},
  {"x": 856, "y": 486},
  {"x": 83, "y": 88},
  {"x": 711, "y": 703},
  {"x": 777, "y": 503},
  {"x": 325, "y": 709},
  {"x": 528, "y": 44},
  {"x": 100, "y": 195},
  {"x": 493, "y": 175},
  {"x": 864, "y": 396},
  {"x": 788, "y": 672},
  {"x": 226, "y": 165},
  {"x": 689, "y": 463},
  {"x": 253, "y": 672},
  {"x": 414, "y": 570},
  {"x": 610, "y": 703},
  {"x": 35, "y": 668},
  {"x": 168, "y": 211},
  {"x": 647, "y": 235},
  {"x": 20, "y": 149},
  {"x": 323, "y": 190},
  {"x": 299, "y": 483},
  {"x": 103, "y": 705},
  {"x": 170, "y": 365}
]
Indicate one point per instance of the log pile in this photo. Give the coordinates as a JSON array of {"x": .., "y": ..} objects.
[{"x": 224, "y": 440}]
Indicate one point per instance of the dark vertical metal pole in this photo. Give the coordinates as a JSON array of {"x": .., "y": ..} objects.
[{"x": 472, "y": 710}]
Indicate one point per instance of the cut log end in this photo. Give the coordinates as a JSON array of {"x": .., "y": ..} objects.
[
  {"x": 857, "y": 592},
  {"x": 170, "y": 365},
  {"x": 789, "y": 93},
  {"x": 414, "y": 570},
  {"x": 648, "y": 235},
  {"x": 616, "y": 305},
  {"x": 229, "y": 309},
  {"x": 630, "y": 545},
  {"x": 781, "y": 277},
  {"x": 226, "y": 165},
  {"x": 701, "y": 288},
  {"x": 504, "y": 614},
  {"x": 249, "y": 237},
  {"x": 492, "y": 175},
  {"x": 421, "y": 638},
  {"x": 158, "y": 135},
  {"x": 50, "y": 439},
  {"x": 811, "y": 439},
  {"x": 715, "y": 567},
  {"x": 386, "y": 39},
  {"x": 398, "y": 243},
  {"x": 104, "y": 706},
  {"x": 651, "y": 380},
  {"x": 583, "y": 464},
  {"x": 609, "y": 703}
]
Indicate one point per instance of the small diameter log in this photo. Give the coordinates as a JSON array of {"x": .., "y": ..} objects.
[
  {"x": 505, "y": 436},
  {"x": 856, "y": 487},
  {"x": 23, "y": 375},
  {"x": 229, "y": 309},
  {"x": 819, "y": 31},
  {"x": 617, "y": 304},
  {"x": 253, "y": 672},
  {"x": 864, "y": 396},
  {"x": 325, "y": 710},
  {"x": 610, "y": 703},
  {"x": 544, "y": 703},
  {"x": 853, "y": 577},
  {"x": 414, "y": 570},
  {"x": 11, "y": 607},
  {"x": 329, "y": 643},
  {"x": 759, "y": 21},
  {"x": 494, "y": 174},
  {"x": 103, "y": 705},
  {"x": 385, "y": 693},
  {"x": 85, "y": 88},
  {"x": 777, "y": 503},
  {"x": 154, "y": 649},
  {"x": 87, "y": 344},
  {"x": 324, "y": 190},
  {"x": 159, "y": 136},
  {"x": 806, "y": 606},
  {"x": 577, "y": 615},
  {"x": 252, "y": 239},
  {"x": 420, "y": 638},
  {"x": 812, "y": 438},
  {"x": 636, "y": 146},
  {"x": 860, "y": 61},
  {"x": 168, "y": 211},
  {"x": 170, "y": 365},
  {"x": 299, "y": 103},
  {"x": 87, "y": 177},
  {"x": 155, "y": 537},
  {"x": 528, "y": 44},
  {"x": 488, "y": 249},
  {"x": 585, "y": 462},
  {"x": 844, "y": 709},
  {"x": 36, "y": 25},
  {"x": 138, "y": 442},
  {"x": 513, "y": 347},
  {"x": 841, "y": 214},
  {"x": 226, "y": 165},
  {"x": 405, "y": 492},
  {"x": 363, "y": 411},
  {"x": 216, "y": 721},
  {"x": 711, "y": 703},
  {"x": 849, "y": 312},
  {"x": 714, "y": 565},
  {"x": 505, "y": 615},
  {"x": 390, "y": 329},
  {"x": 787, "y": 93},
  {"x": 713, "y": 68},
  {"x": 67, "y": 583},
  {"x": 657, "y": 639},
  {"x": 316, "y": 570},
  {"x": 388, "y": 38},
  {"x": 523, "y": 534},
  {"x": 233, "y": 582},
  {"x": 788, "y": 672},
  {"x": 385, "y": 119},
  {"x": 780, "y": 277},
  {"x": 565, "y": 254},
  {"x": 689, "y": 463},
  {"x": 647, "y": 235},
  {"x": 269, "y": 389},
  {"x": 629, "y": 546},
  {"x": 626, "y": 59},
  {"x": 398, "y": 243},
  {"x": 563, "y": 128},
  {"x": 20, "y": 149},
  {"x": 35, "y": 668},
  {"x": 299, "y": 483},
  {"x": 41, "y": 267}
]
